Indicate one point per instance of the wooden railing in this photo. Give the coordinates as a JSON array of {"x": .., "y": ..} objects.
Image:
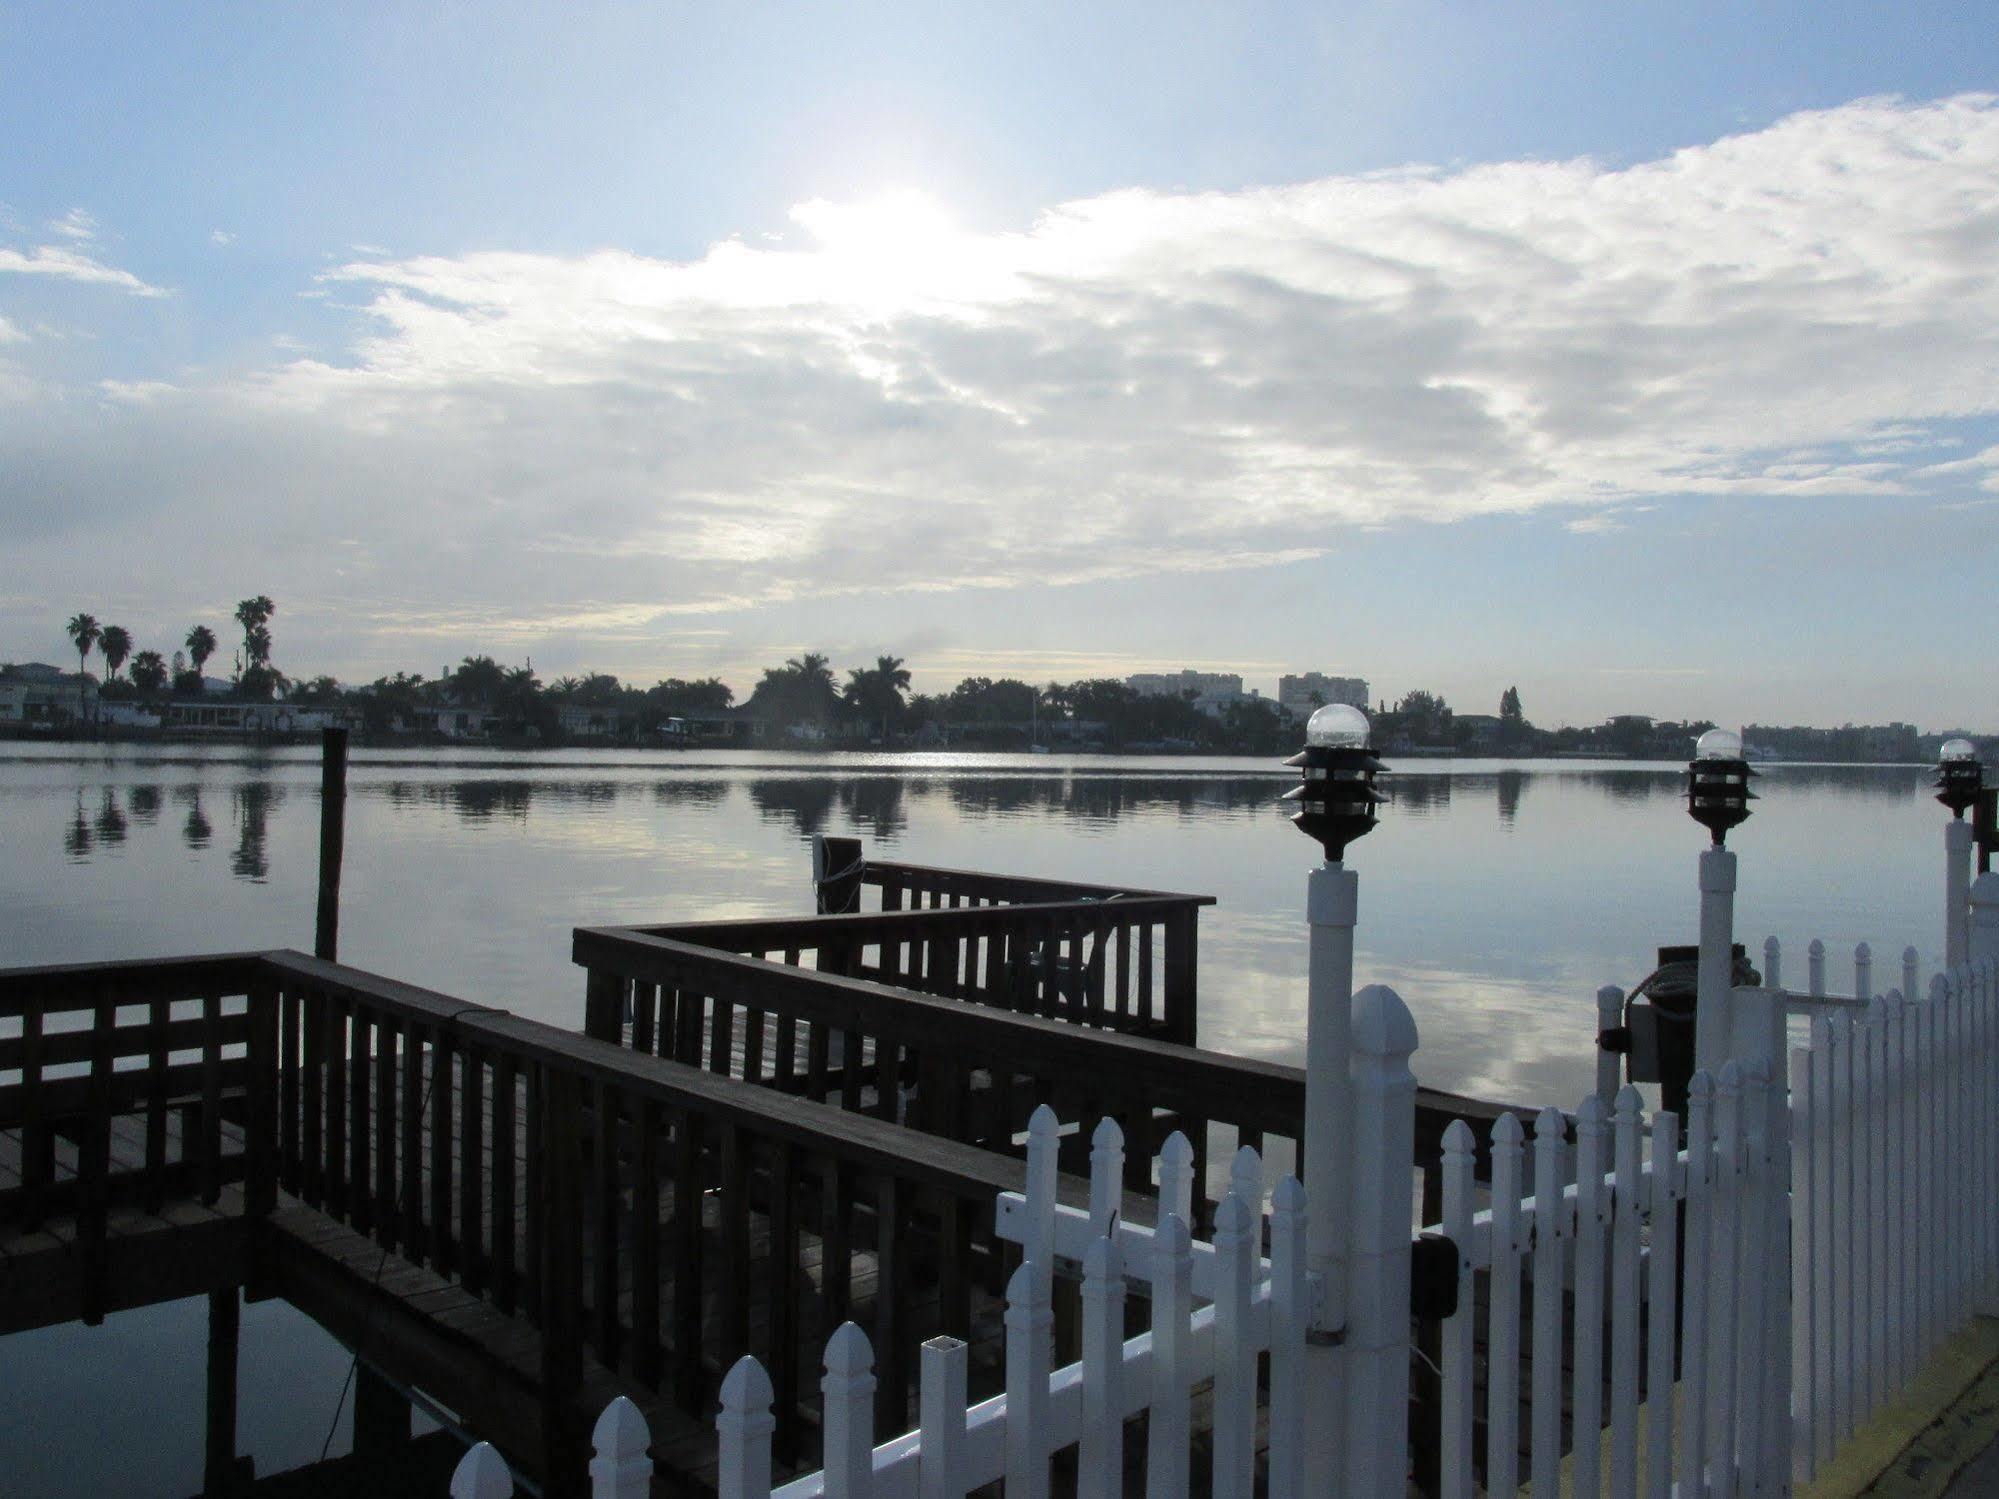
[
  {"x": 1126, "y": 965},
  {"x": 648, "y": 1213},
  {"x": 968, "y": 1074},
  {"x": 132, "y": 1084},
  {"x": 642, "y": 1212}
]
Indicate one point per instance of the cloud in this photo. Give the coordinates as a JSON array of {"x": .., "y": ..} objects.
[
  {"x": 1136, "y": 384},
  {"x": 76, "y": 225},
  {"x": 221, "y": 237},
  {"x": 10, "y": 333},
  {"x": 70, "y": 265}
]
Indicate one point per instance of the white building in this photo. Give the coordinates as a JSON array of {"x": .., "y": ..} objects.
[
  {"x": 37, "y": 693},
  {"x": 1211, "y": 691},
  {"x": 200, "y": 716},
  {"x": 1299, "y": 695}
]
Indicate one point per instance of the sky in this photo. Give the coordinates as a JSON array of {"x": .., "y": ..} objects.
[{"x": 1645, "y": 357}]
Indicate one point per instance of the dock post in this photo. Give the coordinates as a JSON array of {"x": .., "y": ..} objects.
[
  {"x": 332, "y": 841},
  {"x": 1714, "y": 987},
  {"x": 381, "y": 1415},
  {"x": 1332, "y": 900},
  {"x": 220, "y": 1469},
  {"x": 1982, "y": 939},
  {"x": 1957, "y": 842}
]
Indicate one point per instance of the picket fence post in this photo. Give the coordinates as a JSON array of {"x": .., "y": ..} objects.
[
  {"x": 1234, "y": 1420},
  {"x": 1290, "y": 1320},
  {"x": 1815, "y": 967},
  {"x": 1168, "y": 1427},
  {"x": 1384, "y": 1146},
  {"x": 941, "y": 1409},
  {"x": 622, "y": 1466},
  {"x": 482, "y": 1474},
  {"x": 1460, "y": 1152},
  {"x": 1100, "y": 1456},
  {"x": 848, "y": 1419},
  {"x": 1030, "y": 1341},
  {"x": 743, "y": 1430},
  {"x": 1773, "y": 963}
]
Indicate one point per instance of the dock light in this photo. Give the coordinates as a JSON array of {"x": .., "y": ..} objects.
[
  {"x": 1718, "y": 794},
  {"x": 1336, "y": 794},
  {"x": 1959, "y": 776}
]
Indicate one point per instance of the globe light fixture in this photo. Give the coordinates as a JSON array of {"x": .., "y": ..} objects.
[
  {"x": 1959, "y": 776},
  {"x": 1718, "y": 794},
  {"x": 1336, "y": 794}
]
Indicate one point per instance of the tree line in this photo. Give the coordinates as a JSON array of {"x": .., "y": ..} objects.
[
  {"x": 153, "y": 674},
  {"x": 873, "y": 704}
]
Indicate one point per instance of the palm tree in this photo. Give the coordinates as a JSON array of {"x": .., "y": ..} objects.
[
  {"x": 877, "y": 690},
  {"x": 254, "y": 615},
  {"x": 200, "y": 646},
  {"x": 149, "y": 672},
  {"x": 84, "y": 631},
  {"x": 115, "y": 641}
]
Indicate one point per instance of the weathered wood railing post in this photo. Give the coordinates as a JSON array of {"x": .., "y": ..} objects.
[
  {"x": 1180, "y": 994},
  {"x": 560, "y": 1209},
  {"x": 1384, "y": 1139},
  {"x": 332, "y": 842}
]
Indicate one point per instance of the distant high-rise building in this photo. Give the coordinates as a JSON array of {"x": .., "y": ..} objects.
[
  {"x": 1299, "y": 695},
  {"x": 1212, "y": 691}
]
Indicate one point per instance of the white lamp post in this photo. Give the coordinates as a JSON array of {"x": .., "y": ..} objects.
[
  {"x": 1960, "y": 778},
  {"x": 1718, "y": 798},
  {"x": 1336, "y": 801}
]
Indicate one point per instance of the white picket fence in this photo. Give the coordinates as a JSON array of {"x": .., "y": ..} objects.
[
  {"x": 1586, "y": 1267},
  {"x": 1837, "y": 1221},
  {"x": 1895, "y": 1177}
]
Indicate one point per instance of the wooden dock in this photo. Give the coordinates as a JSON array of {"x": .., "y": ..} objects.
[{"x": 768, "y": 1129}]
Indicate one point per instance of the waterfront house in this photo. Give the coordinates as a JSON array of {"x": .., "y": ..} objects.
[
  {"x": 206, "y": 715},
  {"x": 35, "y": 694}
]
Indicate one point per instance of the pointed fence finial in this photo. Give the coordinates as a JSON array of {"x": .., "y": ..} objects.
[
  {"x": 482, "y": 1474},
  {"x": 848, "y": 1418},
  {"x": 1106, "y": 1174},
  {"x": 1176, "y": 1177},
  {"x": 622, "y": 1468},
  {"x": 1246, "y": 1179},
  {"x": 743, "y": 1427}
]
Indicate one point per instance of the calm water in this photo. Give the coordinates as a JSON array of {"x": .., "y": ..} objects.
[{"x": 1495, "y": 898}]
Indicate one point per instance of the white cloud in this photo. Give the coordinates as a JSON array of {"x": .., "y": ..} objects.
[
  {"x": 221, "y": 237},
  {"x": 76, "y": 225},
  {"x": 10, "y": 333},
  {"x": 1135, "y": 384},
  {"x": 70, "y": 265}
]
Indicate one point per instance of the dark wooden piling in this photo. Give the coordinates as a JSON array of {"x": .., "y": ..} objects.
[
  {"x": 219, "y": 1469},
  {"x": 332, "y": 841}
]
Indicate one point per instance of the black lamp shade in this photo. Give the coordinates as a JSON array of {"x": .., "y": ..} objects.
[
  {"x": 1336, "y": 795},
  {"x": 1718, "y": 794}
]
